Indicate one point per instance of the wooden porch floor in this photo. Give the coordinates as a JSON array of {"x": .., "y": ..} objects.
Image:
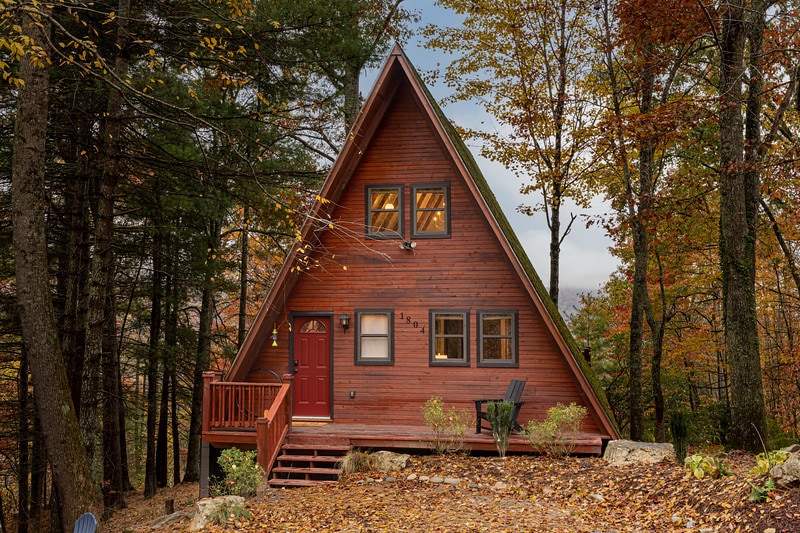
[{"x": 396, "y": 437}]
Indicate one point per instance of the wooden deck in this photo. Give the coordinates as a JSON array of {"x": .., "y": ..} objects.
[{"x": 396, "y": 437}]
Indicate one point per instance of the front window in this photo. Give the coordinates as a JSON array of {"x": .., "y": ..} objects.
[
  {"x": 384, "y": 212},
  {"x": 430, "y": 217},
  {"x": 497, "y": 338},
  {"x": 449, "y": 338},
  {"x": 374, "y": 337}
]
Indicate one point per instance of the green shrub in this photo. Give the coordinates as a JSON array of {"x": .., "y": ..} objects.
[
  {"x": 448, "y": 425},
  {"x": 555, "y": 435},
  {"x": 501, "y": 417},
  {"x": 701, "y": 466},
  {"x": 242, "y": 475},
  {"x": 765, "y": 461},
  {"x": 760, "y": 493}
]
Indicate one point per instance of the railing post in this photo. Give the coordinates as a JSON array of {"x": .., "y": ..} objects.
[
  {"x": 208, "y": 378},
  {"x": 262, "y": 442},
  {"x": 289, "y": 378}
]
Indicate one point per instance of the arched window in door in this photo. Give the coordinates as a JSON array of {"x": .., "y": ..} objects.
[{"x": 313, "y": 326}]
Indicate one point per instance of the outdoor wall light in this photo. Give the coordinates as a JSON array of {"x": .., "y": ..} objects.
[
  {"x": 344, "y": 321},
  {"x": 274, "y": 337},
  {"x": 408, "y": 245}
]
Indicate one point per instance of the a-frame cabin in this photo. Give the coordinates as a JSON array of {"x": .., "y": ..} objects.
[{"x": 407, "y": 283}]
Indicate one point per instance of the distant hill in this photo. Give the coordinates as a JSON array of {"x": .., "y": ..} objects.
[{"x": 569, "y": 301}]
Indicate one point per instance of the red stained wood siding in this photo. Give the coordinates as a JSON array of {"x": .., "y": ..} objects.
[{"x": 468, "y": 270}]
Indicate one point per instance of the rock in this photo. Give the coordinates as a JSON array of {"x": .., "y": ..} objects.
[
  {"x": 788, "y": 474},
  {"x": 437, "y": 479},
  {"x": 452, "y": 481},
  {"x": 626, "y": 452},
  {"x": 208, "y": 506},
  {"x": 411, "y": 477},
  {"x": 769, "y": 530},
  {"x": 500, "y": 486},
  {"x": 385, "y": 461},
  {"x": 596, "y": 497}
]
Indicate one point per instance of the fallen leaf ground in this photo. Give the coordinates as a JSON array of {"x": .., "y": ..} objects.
[{"x": 520, "y": 493}]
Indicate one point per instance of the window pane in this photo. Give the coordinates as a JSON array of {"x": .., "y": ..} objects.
[
  {"x": 374, "y": 348},
  {"x": 375, "y": 324},
  {"x": 383, "y": 221},
  {"x": 430, "y": 221},
  {"x": 384, "y": 199},
  {"x": 383, "y": 210},
  {"x": 449, "y": 348},
  {"x": 496, "y": 324},
  {"x": 497, "y": 349},
  {"x": 449, "y": 324}
]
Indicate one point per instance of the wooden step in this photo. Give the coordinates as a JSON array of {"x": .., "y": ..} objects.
[
  {"x": 341, "y": 448},
  {"x": 306, "y": 465},
  {"x": 308, "y": 470},
  {"x": 278, "y": 483},
  {"x": 310, "y": 458}
]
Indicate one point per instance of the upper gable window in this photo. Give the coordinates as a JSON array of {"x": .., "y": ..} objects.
[
  {"x": 430, "y": 215},
  {"x": 384, "y": 212}
]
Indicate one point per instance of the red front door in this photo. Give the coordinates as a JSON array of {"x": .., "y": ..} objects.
[{"x": 312, "y": 365}]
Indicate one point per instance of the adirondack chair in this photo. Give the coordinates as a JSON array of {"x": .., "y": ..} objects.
[
  {"x": 86, "y": 523},
  {"x": 513, "y": 394}
]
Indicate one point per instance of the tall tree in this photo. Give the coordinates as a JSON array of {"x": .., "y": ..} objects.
[
  {"x": 77, "y": 491},
  {"x": 528, "y": 64},
  {"x": 739, "y": 195}
]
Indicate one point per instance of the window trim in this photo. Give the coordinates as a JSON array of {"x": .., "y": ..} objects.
[
  {"x": 358, "y": 359},
  {"x": 430, "y": 234},
  {"x": 432, "y": 361},
  {"x": 502, "y": 363},
  {"x": 368, "y": 212}
]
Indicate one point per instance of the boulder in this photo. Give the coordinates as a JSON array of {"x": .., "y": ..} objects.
[
  {"x": 788, "y": 474},
  {"x": 625, "y": 452},
  {"x": 207, "y": 507},
  {"x": 385, "y": 461}
]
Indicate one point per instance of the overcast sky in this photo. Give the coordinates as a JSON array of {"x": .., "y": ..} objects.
[{"x": 585, "y": 260}]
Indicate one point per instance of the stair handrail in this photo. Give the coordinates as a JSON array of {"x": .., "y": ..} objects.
[{"x": 274, "y": 426}]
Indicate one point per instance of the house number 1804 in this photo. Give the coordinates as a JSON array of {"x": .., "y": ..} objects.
[{"x": 413, "y": 323}]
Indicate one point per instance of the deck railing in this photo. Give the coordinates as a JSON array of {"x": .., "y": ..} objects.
[
  {"x": 272, "y": 429},
  {"x": 262, "y": 408}
]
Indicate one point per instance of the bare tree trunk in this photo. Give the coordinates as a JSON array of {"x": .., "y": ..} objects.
[
  {"x": 242, "y": 332},
  {"x": 162, "y": 444},
  {"x": 75, "y": 485},
  {"x": 23, "y": 487},
  {"x": 176, "y": 436},
  {"x": 192, "y": 473},
  {"x": 113, "y": 419},
  {"x": 153, "y": 359},
  {"x": 738, "y": 218}
]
